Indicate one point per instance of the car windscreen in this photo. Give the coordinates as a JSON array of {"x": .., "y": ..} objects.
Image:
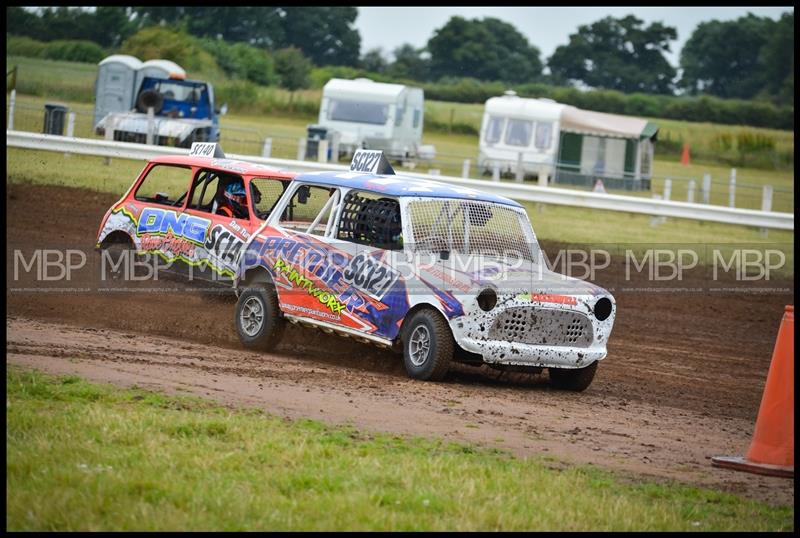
[
  {"x": 471, "y": 227},
  {"x": 177, "y": 91},
  {"x": 358, "y": 112}
]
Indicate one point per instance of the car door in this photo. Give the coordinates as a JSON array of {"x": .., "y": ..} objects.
[
  {"x": 348, "y": 279},
  {"x": 229, "y": 224},
  {"x": 155, "y": 217},
  {"x": 302, "y": 257}
]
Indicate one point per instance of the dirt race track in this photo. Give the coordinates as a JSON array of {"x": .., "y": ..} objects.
[{"x": 682, "y": 381}]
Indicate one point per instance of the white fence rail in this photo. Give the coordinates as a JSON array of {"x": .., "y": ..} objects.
[{"x": 515, "y": 191}]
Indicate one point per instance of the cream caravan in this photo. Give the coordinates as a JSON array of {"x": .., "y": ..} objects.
[
  {"x": 566, "y": 143},
  {"x": 375, "y": 115}
]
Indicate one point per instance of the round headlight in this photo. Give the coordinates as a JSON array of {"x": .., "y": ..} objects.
[
  {"x": 602, "y": 308},
  {"x": 487, "y": 299}
]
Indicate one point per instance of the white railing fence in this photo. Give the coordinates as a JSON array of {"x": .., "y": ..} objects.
[{"x": 513, "y": 190}]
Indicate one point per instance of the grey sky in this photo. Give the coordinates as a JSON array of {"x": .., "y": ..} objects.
[{"x": 545, "y": 27}]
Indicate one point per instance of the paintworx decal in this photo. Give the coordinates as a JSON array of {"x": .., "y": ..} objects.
[{"x": 294, "y": 277}]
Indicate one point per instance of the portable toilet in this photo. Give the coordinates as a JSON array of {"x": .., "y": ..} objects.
[{"x": 115, "y": 87}]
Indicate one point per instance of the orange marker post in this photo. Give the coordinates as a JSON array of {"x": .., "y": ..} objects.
[{"x": 772, "y": 449}]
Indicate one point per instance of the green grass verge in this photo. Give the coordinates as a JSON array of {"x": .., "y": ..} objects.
[{"x": 83, "y": 456}]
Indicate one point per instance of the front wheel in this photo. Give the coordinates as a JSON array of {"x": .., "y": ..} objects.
[
  {"x": 428, "y": 346},
  {"x": 575, "y": 379},
  {"x": 258, "y": 319}
]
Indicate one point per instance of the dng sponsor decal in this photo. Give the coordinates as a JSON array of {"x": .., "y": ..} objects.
[{"x": 163, "y": 221}]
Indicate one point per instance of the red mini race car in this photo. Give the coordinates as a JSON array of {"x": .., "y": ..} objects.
[{"x": 192, "y": 214}]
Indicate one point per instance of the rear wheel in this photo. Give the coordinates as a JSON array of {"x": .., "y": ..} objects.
[
  {"x": 258, "y": 319},
  {"x": 575, "y": 379},
  {"x": 428, "y": 346}
]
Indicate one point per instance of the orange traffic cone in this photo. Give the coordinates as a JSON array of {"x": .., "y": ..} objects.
[
  {"x": 772, "y": 449},
  {"x": 685, "y": 155}
]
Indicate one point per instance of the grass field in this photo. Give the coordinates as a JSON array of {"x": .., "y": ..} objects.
[
  {"x": 74, "y": 81},
  {"x": 82, "y": 456},
  {"x": 244, "y": 134}
]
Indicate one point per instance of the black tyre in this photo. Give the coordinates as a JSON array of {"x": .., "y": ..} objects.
[
  {"x": 258, "y": 318},
  {"x": 575, "y": 379},
  {"x": 116, "y": 262},
  {"x": 427, "y": 345}
]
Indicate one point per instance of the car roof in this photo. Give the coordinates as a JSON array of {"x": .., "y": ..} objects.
[
  {"x": 225, "y": 165},
  {"x": 399, "y": 186}
]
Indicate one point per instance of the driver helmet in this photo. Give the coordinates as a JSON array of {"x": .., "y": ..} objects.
[{"x": 235, "y": 195}]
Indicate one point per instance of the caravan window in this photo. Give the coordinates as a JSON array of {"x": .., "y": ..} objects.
[
  {"x": 417, "y": 117},
  {"x": 543, "y": 133},
  {"x": 519, "y": 132},
  {"x": 358, "y": 112},
  {"x": 495, "y": 129},
  {"x": 398, "y": 120}
]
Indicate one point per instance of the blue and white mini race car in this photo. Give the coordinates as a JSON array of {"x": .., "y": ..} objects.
[{"x": 444, "y": 273}]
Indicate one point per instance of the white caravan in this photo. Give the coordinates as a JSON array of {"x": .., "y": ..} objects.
[
  {"x": 565, "y": 143},
  {"x": 514, "y": 127},
  {"x": 375, "y": 115}
]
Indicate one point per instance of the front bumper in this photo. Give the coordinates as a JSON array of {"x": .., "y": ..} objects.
[{"x": 526, "y": 333}]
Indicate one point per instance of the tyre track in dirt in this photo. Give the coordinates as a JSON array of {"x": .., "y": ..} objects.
[
  {"x": 526, "y": 418},
  {"x": 682, "y": 382}
]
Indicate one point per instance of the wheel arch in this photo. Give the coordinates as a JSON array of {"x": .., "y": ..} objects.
[
  {"x": 117, "y": 236},
  {"x": 255, "y": 275},
  {"x": 416, "y": 308}
]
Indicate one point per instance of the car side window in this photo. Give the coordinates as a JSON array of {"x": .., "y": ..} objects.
[
  {"x": 208, "y": 194},
  {"x": 309, "y": 209},
  {"x": 204, "y": 190},
  {"x": 165, "y": 184},
  {"x": 371, "y": 219},
  {"x": 265, "y": 193}
]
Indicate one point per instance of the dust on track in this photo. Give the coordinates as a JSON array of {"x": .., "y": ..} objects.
[{"x": 682, "y": 382}]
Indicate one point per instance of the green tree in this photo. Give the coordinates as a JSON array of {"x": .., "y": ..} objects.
[
  {"x": 256, "y": 25},
  {"x": 107, "y": 26},
  {"x": 22, "y": 22},
  {"x": 326, "y": 35},
  {"x": 242, "y": 61},
  {"x": 374, "y": 62},
  {"x": 410, "y": 63},
  {"x": 486, "y": 49},
  {"x": 617, "y": 54},
  {"x": 293, "y": 69},
  {"x": 777, "y": 57},
  {"x": 722, "y": 57},
  {"x": 176, "y": 45}
]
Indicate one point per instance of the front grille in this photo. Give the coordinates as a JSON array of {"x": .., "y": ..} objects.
[{"x": 543, "y": 326}]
